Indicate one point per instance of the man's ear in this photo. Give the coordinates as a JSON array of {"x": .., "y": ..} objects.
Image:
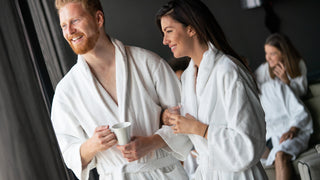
[
  {"x": 99, "y": 18},
  {"x": 191, "y": 31}
]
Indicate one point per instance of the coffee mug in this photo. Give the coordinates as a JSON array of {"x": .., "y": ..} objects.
[{"x": 122, "y": 131}]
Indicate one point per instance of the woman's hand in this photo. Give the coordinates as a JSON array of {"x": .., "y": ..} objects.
[
  {"x": 165, "y": 115},
  {"x": 280, "y": 72},
  {"x": 140, "y": 146},
  {"x": 186, "y": 125},
  {"x": 290, "y": 134}
]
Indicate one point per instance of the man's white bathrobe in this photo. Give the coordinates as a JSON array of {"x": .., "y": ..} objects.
[
  {"x": 284, "y": 110},
  {"x": 299, "y": 85},
  {"x": 225, "y": 97},
  {"x": 145, "y": 86}
]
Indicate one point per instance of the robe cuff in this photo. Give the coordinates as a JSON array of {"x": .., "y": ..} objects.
[
  {"x": 86, "y": 172},
  {"x": 75, "y": 164},
  {"x": 179, "y": 145}
]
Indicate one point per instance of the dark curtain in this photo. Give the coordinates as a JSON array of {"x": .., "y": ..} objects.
[
  {"x": 58, "y": 57},
  {"x": 34, "y": 58},
  {"x": 57, "y": 54},
  {"x": 28, "y": 146}
]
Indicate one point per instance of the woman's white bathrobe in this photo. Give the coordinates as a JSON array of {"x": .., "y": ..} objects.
[
  {"x": 145, "y": 86},
  {"x": 299, "y": 85},
  {"x": 284, "y": 110},
  {"x": 225, "y": 97}
]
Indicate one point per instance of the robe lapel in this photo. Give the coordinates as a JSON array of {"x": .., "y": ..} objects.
[
  {"x": 118, "y": 113},
  {"x": 121, "y": 79},
  {"x": 194, "y": 93},
  {"x": 206, "y": 68},
  {"x": 189, "y": 101},
  {"x": 105, "y": 103}
]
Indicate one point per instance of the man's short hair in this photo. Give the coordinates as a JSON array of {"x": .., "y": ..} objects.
[{"x": 92, "y": 6}]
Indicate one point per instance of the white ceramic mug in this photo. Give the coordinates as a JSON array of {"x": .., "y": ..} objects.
[{"x": 122, "y": 131}]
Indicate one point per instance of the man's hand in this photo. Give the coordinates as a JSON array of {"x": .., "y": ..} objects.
[
  {"x": 140, "y": 146},
  {"x": 101, "y": 140}
]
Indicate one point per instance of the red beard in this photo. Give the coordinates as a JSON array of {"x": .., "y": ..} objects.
[{"x": 86, "y": 45}]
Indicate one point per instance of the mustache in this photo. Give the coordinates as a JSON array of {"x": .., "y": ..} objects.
[{"x": 74, "y": 36}]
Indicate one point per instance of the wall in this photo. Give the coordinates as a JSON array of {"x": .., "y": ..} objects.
[
  {"x": 133, "y": 23},
  {"x": 247, "y": 32}
]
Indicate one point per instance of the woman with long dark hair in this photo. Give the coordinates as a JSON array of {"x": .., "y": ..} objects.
[{"x": 221, "y": 112}]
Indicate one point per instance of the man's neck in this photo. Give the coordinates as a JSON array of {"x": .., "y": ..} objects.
[
  {"x": 102, "y": 55},
  {"x": 101, "y": 61}
]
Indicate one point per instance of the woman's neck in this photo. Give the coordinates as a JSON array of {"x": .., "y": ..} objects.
[{"x": 198, "y": 52}]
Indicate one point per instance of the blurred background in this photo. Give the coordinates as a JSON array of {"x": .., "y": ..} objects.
[{"x": 245, "y": 27}]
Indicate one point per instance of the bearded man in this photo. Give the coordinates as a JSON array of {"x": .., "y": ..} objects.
[{"x": 112, "y": 83}]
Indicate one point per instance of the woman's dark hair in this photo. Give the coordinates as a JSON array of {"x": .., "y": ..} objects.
[
  {"x": 179, "y": 63},
  {"x": 290, "y": 55},
  {"x": 196, "y": 14}
]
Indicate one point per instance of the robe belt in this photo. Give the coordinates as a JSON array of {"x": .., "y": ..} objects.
[{"x": 118, "y": 171}]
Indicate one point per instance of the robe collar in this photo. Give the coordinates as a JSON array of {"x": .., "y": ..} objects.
[
  {"x": 191, "y": 90},
  {"x": 206, "y": 66},
  {"x": 121, "y": 78},
  {"x": 121, "y": 61}
]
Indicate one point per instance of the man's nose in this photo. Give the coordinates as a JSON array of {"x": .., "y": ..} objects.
[{"x": 71, "y": 29}]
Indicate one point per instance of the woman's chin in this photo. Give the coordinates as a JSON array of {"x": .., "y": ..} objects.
[
  {"x": 177, "y": 56},
  {"x": 272, "y": 66}
]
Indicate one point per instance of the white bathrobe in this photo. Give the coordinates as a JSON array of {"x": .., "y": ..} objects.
[
  {"x": 225, "y": 97},
  {"x": 299, "y": 85},
  {"x": 145, "y": 86},
  {"x": 284, "y": 110}
]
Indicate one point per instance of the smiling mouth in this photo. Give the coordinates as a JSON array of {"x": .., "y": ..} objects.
[
  {"x": 173, "y": 48},
  {"x": 75, "y": 39}
]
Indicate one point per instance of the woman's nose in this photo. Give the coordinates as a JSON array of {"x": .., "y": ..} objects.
[
  {"x": 267, "y": 57},
  {"x": 165, "y": 41}
]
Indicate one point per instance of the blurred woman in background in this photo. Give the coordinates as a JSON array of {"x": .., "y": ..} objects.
[{"x": 284, "y": 64}]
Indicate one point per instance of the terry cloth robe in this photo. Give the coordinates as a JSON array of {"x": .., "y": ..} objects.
[
  {"x": 284, "y": 110},
  {"x": 299, "y": 85},
  {"x": 145, "y": 86},
  {"x": 225, "y": 97}
]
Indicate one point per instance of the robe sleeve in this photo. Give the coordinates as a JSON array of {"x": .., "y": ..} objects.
[
  {"x": 239, "y": 144},
  {"x": 261, "y": 73},
  {"x": 299, "y": 85},
  {"x": 168, "y": 90},
  {"x": 70, "y": 135},
  {"x": 298, "y": 113}
]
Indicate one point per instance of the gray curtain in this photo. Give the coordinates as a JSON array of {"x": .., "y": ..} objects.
[
  {"x": 58, "y": 56},
  {"x": 28, "y": 146}
]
